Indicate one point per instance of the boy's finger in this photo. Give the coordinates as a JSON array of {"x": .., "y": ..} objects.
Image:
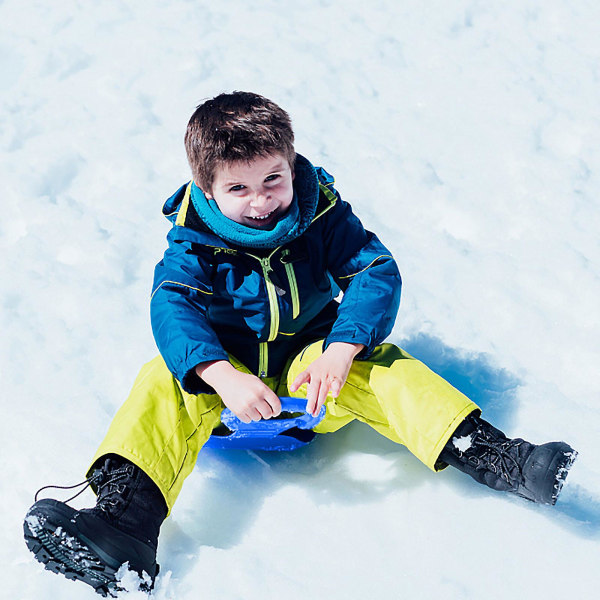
[
  {"x": 254, "y": 414},
  {"x": 311, "y": 398},
  {"x": 323, "y": 389},
  {"x": 243, "y": 417},
  {"x": 335, "y": 388},
  {"x": 265, "y": 410},
  {"x": 300, "y": 379},
  {"x": 275, "y": 404}
]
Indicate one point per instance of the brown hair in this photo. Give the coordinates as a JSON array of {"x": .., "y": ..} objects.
[{"x": 240, "y": 126}]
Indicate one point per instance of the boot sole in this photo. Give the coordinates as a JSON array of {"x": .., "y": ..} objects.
[{"x": 57, "y": 546}]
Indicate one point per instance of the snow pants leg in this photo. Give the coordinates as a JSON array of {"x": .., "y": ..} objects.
[
  {"x": 397, "y": 395},
  {"x": 161, "y": 428}
]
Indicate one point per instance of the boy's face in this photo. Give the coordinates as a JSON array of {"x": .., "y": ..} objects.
[{"x": 257, "y": 193}]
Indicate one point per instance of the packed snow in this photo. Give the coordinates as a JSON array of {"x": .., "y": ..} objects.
[
  {"x": 462, "y": 443},
  {"x": 465, "y": 133}
]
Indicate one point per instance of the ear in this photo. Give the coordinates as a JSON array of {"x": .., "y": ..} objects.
[{"x": 207, "y": 195}]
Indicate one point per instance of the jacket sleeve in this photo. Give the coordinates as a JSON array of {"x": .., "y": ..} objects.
[
  {"x": 367, "y": 274},
  {"x": 181, "y": 295}
]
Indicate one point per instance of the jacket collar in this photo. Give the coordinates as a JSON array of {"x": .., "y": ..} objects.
[{"x": 189, "y": 207}]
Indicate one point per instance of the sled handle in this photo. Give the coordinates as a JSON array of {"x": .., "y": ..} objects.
[{"x": 275, "y": 426}]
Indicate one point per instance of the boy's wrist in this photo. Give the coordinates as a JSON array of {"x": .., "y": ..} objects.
[
  {"x": 212, "y": 372},
  {"x": 350, "y": 349}
]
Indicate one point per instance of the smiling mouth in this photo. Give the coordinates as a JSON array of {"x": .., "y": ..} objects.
[{"x": 263, "y": 218}]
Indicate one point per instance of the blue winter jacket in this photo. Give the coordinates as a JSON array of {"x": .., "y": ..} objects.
[{"x": 212, "y": 298}]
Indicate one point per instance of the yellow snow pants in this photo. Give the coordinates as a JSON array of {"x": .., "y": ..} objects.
[{"x": 161, "y": 428}]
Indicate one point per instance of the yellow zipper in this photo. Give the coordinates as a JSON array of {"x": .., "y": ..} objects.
[
  {"x": 263, "y": 347},
  {"x": 263, "y": 359},
  {"x": 289, "y": 269},
  {"x": 265, "y": 263}
]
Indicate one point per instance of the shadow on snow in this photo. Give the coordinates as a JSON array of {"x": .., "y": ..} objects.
[{"x": 230, "y": 486}]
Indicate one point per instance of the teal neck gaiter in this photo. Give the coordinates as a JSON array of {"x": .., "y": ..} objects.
[{"x": 289, "y": 227}]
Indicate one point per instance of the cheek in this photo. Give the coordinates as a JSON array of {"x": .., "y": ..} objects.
[
  {"x": 230, "y": 209},
  {"x": 286, "y": 196}
]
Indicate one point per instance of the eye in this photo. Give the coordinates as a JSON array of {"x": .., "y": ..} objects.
[
  {"x": 272, "y": 177},
  {"x": 237, "y": 188}
]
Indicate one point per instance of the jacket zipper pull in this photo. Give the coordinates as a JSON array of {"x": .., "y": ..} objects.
[{"x": 271, "y": 275}]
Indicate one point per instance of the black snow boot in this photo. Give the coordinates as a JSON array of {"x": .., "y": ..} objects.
[
  {"x": 91, "y": 545},
  {"x": 533, "y": 472}
]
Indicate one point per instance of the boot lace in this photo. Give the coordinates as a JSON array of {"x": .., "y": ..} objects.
[
  {"x": 500, "y": 457},
  {"x": 109, "y": 481},
  {"x": 112, "y": 485},
  {"x": 85, "y": 483}
]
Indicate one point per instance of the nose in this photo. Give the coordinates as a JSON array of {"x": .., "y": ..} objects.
[{"x": 260, "y": 199}]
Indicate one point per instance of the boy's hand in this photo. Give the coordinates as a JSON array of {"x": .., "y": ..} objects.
[
  {"x": 326, "y": 374},
  {"x": 244, "y": 394}
]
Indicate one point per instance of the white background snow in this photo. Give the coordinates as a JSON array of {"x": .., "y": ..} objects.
[{"x": 466, "y": 133}]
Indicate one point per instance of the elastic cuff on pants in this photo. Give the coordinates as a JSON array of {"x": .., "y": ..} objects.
[
  {"x": 432, "y": 461},
  {"x": 138, "y": 463}
]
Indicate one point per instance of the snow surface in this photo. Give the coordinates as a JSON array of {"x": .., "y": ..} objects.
[{"x": 465, "y": 133}]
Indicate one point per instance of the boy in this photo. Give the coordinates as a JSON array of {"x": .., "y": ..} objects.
[{"x": 243, "y": 312}]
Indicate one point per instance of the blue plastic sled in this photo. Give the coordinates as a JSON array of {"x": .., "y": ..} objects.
[{"x": 281, "y": 433}]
